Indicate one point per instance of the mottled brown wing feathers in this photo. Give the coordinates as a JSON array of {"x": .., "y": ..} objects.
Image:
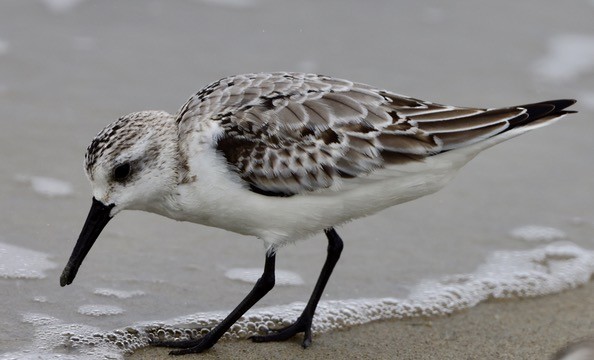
[{"x": 287, "y": 133}]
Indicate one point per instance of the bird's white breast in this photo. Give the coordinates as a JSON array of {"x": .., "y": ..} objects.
[{"x": 218, "y": 198}]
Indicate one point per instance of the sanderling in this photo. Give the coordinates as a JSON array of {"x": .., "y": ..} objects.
[{"x": 282, "y": 156}]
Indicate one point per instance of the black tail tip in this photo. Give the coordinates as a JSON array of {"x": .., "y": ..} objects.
[
  {"x": 551, "y": 107},
  {"x": 561, "y": 104}
]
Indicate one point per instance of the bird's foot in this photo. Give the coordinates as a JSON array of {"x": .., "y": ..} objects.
[
  {"x": 302, "y": 324},
  {"x": 193, "y": 346}
]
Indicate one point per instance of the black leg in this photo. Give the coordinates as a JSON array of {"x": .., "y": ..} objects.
[
  {"x": 303, "y": 323},
  {"x": 262, "y": 287}
]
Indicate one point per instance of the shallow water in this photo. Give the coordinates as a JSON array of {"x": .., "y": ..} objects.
[{"x": 67, "y": 68}]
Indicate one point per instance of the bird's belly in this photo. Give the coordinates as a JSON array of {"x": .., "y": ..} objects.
[
  {"x": 279, "y": 220},
  {"x": 283, "y": 220}
]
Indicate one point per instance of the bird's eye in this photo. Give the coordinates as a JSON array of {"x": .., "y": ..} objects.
[{"x": 121, "y": 172}]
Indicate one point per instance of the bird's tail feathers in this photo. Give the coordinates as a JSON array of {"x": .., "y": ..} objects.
[{"x": 537, "y": 115}]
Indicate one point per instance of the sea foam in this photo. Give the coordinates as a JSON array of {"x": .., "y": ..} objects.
[
  {"x": 536, "y": 233},
  {"x": 504, "y": 274},
  {"x": 120, "y": 294},
  {"x": 251, "y": 275},
  {"x": 47, "y": 186},
  {"x": 100, "y": 310},
  {"x": 20, "y": 263}
]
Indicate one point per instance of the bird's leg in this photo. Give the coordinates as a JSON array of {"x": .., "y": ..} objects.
[
  {"x": 264, "y": 284},
  {"x": 303, "y": 323}
]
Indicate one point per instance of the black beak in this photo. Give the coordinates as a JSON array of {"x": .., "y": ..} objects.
[{"x": 98, "y": 217}]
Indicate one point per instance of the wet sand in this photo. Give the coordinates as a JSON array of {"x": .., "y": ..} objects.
[{"x": 533, "y": 328}]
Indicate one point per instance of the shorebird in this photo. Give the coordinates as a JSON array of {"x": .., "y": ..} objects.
[{"x": 282, "y": 156}]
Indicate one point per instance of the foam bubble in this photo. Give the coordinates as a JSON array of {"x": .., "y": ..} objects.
[
  {"x": 47, "y": 186},
  {"x": 570, "y": 56},
  {"x": 251, "y": 275},
  {"x": 537, "y": 233},
  {"x": 20, "y": 263},
  {"x": 120, "y": 294},
  {"x": 100, "y": 310},
  {"x": 51, "y": 336}
]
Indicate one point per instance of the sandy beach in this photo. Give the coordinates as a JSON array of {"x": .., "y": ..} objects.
[{"x": 535, "y": 328}]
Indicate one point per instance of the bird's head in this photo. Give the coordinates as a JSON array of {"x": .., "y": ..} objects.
[{"x": 131, "y": 164}]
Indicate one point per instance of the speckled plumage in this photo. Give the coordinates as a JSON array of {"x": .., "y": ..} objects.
[
  {"x": 282, "y": 156},
  {"x": 289, "y": 132},
  {"x": 302, "y": 136},
  {"x": 118, "y": 136}
]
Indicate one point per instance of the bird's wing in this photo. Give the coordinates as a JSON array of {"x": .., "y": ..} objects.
[{"x": 289, "y": 133}]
